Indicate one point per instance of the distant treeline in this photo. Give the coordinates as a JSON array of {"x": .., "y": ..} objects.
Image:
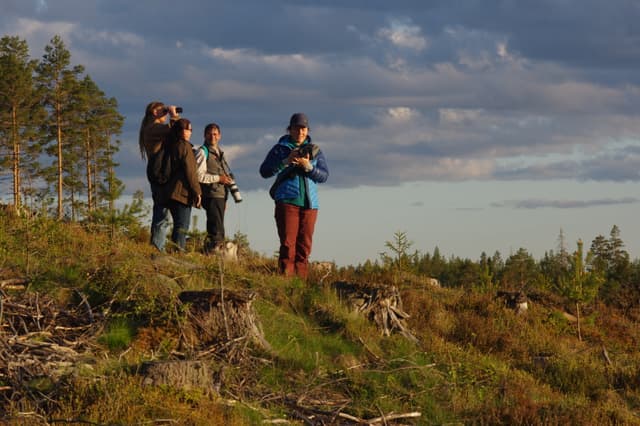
[
  {"x": 57, "y": 133},
  {"x": 603, "y": 273}
]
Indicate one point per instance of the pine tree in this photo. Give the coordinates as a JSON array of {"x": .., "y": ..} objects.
[
  {"x": 582, "y": 286},
  {"x": 400, "y": 247},
  {"x": 99, "y": 121},
  {"x": 109, "y": 188},
  {"x": 19, "y": 111},
  {"x": 520, "y": 270},
  {"x": 59, "y": 85}
]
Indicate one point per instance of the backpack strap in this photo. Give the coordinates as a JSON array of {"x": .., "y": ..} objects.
[{"x": 206, "y": 151}]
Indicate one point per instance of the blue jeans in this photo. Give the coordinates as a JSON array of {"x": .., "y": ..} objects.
[
  {"x": 159, "y": 225},
  {"x": 181, "y": 214}
]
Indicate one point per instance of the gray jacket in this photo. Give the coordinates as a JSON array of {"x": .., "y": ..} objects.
[{"x": 209, "y": 168}]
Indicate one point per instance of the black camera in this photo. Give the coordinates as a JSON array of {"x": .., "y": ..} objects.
[{"x": 307, "y": 150}]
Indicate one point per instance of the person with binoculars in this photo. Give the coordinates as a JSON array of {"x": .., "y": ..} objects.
[
  {"x": 216, "y": 182},
  {"x": 154, "y": 131},
  {"x": 299, "y": 165}
]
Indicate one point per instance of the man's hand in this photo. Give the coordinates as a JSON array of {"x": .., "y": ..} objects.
[{"x": 225, "y": 180}]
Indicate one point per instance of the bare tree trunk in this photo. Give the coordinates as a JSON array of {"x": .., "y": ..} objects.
[
  {"x": 578, "y": 316},
  {"x": 87, "y": 159},
  {"x": 59, "y": 129},
  {"x": 94, "y": 178},
  {"x": 16, "y": 160},
  {"x": 111, "y": 173}
]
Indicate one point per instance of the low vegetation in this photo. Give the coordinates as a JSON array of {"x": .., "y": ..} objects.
[{"x": 112, "y": 303}]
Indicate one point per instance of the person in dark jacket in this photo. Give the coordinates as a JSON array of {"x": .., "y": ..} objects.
[
  {"x": 299, "y": 165},
  {"x": 182, "y": 191},
  {"x": 213, "y": 177},
  {"x": 154, "y": 131}
]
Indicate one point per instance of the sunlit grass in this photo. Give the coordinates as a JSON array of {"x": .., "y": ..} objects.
[{"x": 475, "y": 361}]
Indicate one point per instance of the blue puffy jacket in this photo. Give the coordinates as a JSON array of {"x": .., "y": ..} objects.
[{"x": 289, "y": 188}]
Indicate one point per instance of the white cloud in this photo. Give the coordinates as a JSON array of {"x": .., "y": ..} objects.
[
  {"x": 401, "y": 114},
  {"x": 403, "y": 34},
  {"x": 248, "y": 56},
  {"x": 115, "y": 39},
  {"x": 458, "y": 115},
  {"x": 440, "y": 169},
  {"x": 39, "y": 33}
]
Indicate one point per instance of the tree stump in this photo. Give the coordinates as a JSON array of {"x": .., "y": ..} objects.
[
  {"x": 380, "y": 303},
  {"x": 221, "y": 323},
  {"x": 179, "y": 374}
]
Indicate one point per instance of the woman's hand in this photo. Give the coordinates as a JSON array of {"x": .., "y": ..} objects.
[{"x": 303, "y": 162}]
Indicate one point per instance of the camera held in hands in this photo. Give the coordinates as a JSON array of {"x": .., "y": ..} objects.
[
  {"x": 234, "y": 190},
  {"x": 308, "y": 150}
]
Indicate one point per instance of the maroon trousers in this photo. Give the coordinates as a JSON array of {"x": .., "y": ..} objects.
[{"x": 295, "y": 229}]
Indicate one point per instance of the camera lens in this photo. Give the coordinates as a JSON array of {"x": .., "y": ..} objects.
[
  {"x": 179, "y": 110},
  {"x": 235, "y": 192}
]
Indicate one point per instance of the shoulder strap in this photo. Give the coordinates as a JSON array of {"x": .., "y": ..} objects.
[{"x": 206, "y": 151}]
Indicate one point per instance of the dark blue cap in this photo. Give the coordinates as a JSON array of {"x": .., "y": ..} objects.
[{"x": 299, "y": 119}]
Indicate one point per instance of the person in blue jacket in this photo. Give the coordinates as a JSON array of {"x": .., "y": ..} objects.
[{"x": 299, "y": 165}]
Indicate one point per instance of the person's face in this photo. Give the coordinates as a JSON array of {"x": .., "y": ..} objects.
[
  {"x": 298, "y": 134},
  {"x": 160, "y": 113},
  {"x": 186, "y": 133},
  {"x": 213, "y": 136}
]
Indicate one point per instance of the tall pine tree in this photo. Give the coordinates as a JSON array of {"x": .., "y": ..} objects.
[
  {"x": 20, "y": 110},
  {"x": 58, "y": 82}
]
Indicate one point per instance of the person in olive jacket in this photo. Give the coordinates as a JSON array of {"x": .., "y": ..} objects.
[{"x": 182, "y": 191}]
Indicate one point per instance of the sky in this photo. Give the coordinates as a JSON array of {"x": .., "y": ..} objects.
[{"x": 471, "y": 126}]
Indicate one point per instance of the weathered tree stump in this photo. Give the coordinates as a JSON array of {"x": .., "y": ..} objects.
[
  {"x": 220, "y": 322},
  {"x": 380, "y": 303},
  {"x": 179, "y": 374}
]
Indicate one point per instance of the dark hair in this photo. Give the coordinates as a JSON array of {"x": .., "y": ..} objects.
[
  {"x": 176, "y": 130},
  {"x": 148, "y": 118},
  {"x": 211, "y": 126}
]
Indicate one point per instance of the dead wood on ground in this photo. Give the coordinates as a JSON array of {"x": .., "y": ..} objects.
[
  {"x": 220, "y": 323},
  {"x": 40, "y": 342},
  {"x": 380, "y": 303}
]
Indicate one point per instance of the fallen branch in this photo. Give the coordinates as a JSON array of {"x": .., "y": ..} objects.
[
  {"x": 384, "y": 418},
  {"x": 387, "y": 417},
  {"x": 14, "y": 283}
]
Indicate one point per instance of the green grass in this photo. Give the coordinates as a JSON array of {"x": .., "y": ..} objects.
[
  {"x": 118, "y": 335},
  {"x": 475, "y": 362}
]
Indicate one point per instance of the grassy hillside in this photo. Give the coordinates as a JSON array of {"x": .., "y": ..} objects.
[{"x": 112, "y": 303}]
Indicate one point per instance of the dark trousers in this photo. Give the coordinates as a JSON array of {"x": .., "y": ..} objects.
[
  {"x": 295, "y": 229},
  {"x": 159, "y": 221},
  {"x": 214, "y": 207}
]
